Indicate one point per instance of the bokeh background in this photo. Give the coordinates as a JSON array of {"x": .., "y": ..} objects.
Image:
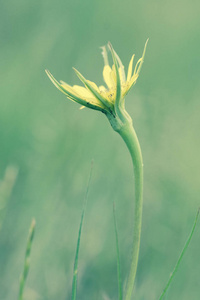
[{"x": 51, "y": 143}]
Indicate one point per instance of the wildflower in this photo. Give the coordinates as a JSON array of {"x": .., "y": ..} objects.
[
  {"x": 102, "y": 98},
  {"x": 110, "y": 100}
]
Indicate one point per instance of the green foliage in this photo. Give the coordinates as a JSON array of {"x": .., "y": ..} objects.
[
  {"x": 27, "y": 260},
  {"x": 75, "y": 273}
]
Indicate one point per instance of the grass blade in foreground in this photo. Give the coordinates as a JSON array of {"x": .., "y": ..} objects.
[
  {"x": 6, "y": 187},
  {"x": 75, "y": 273},
  {"x": 27, "y": 260},
  {"x": 118, "y": 257},
  {"x": 180, "y": 258}
]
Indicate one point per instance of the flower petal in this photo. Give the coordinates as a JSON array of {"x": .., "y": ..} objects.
[
  {"x": 66, "y": 90},
  {"x": 118, "y": 83},
  {"x": 108, "y": 77},
  {"x": 137, "y": 66},
  {"x": 121, "y": 72},
  {"x": 92, "y": 87},
  {"x": 130, "y": 68},
  {"x": 72, "y": 95},
  {"x": 133, "y": 80},
  {"x": 129, "y": 84},
  {"x": 141, "y": 60},
  {"x": 69, "y": 88},
  {"x": 85, "y": 93},
  {"x": 121, "y": 68},
  {"x": 113, "y": 74}
]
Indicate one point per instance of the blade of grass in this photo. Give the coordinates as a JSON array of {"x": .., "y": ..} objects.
[
  {"x": 6, "y": 187},
  {"x": 27, "y": 260},
  {"x": 180, "y": 257},
  {"x": 75, "y": 272},
  {"x": 120, "y": 296}
]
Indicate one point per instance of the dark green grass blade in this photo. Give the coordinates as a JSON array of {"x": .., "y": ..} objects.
[
  {"x": 75, "y": 273},
  {"x": 180, "y": 258},
  {"x": 27, "y": 260},
  {"x": 118, "y": 256}
]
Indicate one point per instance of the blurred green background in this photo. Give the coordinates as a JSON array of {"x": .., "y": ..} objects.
[{"x": 52, "y": 143}]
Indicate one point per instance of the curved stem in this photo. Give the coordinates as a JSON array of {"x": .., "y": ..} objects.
[{"x": 129, "y": 136}]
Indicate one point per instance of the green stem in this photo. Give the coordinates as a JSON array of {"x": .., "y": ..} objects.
[{"x": 129, "y": 136}]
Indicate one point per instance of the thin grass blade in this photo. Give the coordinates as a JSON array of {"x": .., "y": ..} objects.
[
  {"x": 180, "y": 257},
  {"x": 120, "y": 295},
  {"x": 75, "y": 273},
  {"x": 6, "y": 187},
  {"x": 27, "y": 260}
]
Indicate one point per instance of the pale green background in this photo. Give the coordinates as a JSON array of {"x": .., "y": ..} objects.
[{"x": 53, "y": 142}]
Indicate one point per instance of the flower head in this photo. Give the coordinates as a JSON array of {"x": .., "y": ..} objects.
[{"x": 104, "y": 98}]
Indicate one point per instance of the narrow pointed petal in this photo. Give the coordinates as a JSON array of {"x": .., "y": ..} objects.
[
  {"x": 108, "y": 77},
  {"x": 130, "y": 84},
  {"x": 118, "y": 83},
  {"x": 86, "y": 94},
  {"x": 120, "y": 74},
  {"x": 93, "y": 89},
  {"x": 113, "y": 73},
  {"x": 93, "y": 85},
  {"x": 69, "y": 88},
  {"x": 123, "y": 77},
  {"x": 83, "y": 92},
  {"x": 133, "y": 80},
  {"x": 55, "y": 82},
  {"x": 130, "y": 68},
  {"x": 69, "y": 92},
  {"x": 137, "y": 66},
  {"x": 141, "y": 60}
]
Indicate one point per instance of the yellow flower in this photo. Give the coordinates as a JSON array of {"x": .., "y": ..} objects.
[{"x": 103, "y": 98}]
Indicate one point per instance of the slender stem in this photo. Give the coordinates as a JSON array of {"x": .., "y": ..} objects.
[{"x": 130, "y": 138}]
